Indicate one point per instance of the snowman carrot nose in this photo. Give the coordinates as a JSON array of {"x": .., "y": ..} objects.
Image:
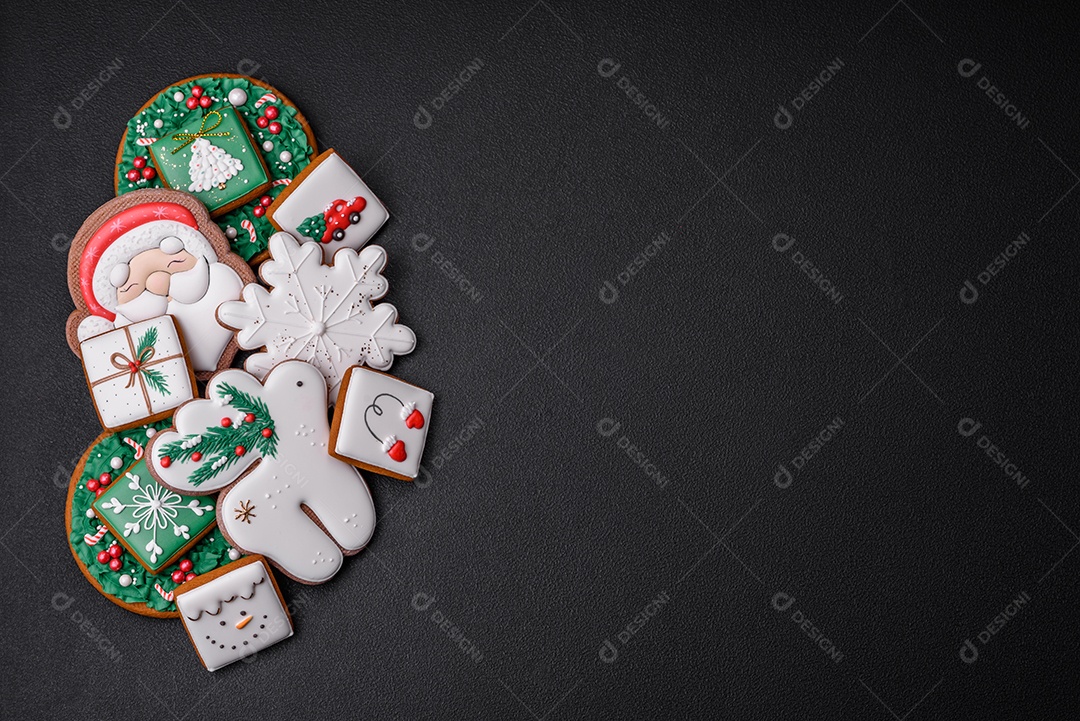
[{"x": 243, "y": 621}]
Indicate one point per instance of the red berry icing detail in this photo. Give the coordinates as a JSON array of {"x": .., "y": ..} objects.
[
  {"x": 93, "y": 484},
  {"x": 104, "y": 479},
  {"x": 189, "y": 576},
  {"x": 197, "y": 91},
  {"x": 249, "y": 418},
  {"x": 149, "y": 173},
  {"x": 275, "y": 128},
  {"x": 186, "y": 565},
  {"x": 192, "y": 103},
  {"x": 116, "y": 551},
  {"x": 196, "y": 456},
  {"x": 178, "y": 576},
  {"x": 267, "y": 432},
  {"x": 240, "y": 450},
  {"x": 226, "y": 422},
  {"x": 139, "y": 162},
  {"x": 258, "y": 211},
  {"x": 132, "y": 175},
  {"x": 165, "y": 461},
  {"x": 205, "y": 101},
  {"x": 265, "y": 201},
  {"x": 104, "y": 557},
  {"x": 98, "y": 492},
  {"x": 116, "y": 564},
  {"x": 271, "y": 112},
  {"x": 261, "y": 121}
]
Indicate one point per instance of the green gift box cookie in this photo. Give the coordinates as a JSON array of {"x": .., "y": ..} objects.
[
  {"x": 155, "y": 524},
  {"x": 213, "y": 157}
]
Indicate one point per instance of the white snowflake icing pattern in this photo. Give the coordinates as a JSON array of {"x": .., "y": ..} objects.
[
  {"x": 318, "y": 313},
  {"x": 156, "y": 508}
]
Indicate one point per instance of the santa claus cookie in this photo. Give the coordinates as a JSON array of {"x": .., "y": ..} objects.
[
  {"x": 264, "y": 446},
  {"x": 232, "y": 141},
  {"x": 151, "y": 253},
  {"x": 320, "y": 314}
]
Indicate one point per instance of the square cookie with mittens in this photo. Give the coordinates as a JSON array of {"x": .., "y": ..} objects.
[
  {"x": 381, "y": 423},
  {"x": 233, "y": 612}
]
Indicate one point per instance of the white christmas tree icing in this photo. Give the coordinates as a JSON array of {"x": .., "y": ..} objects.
[{"x": 210, "y": 166}]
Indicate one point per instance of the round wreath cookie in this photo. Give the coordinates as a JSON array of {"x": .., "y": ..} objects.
[
  {"x": 104, "y": 484},
  {"x": 230, "y": 140}
]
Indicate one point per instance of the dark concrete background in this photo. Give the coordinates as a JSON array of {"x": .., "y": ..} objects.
[{"x": 542, "y": 531}]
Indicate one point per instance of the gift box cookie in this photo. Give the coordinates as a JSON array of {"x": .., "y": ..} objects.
[
  {"x": 233, "y": 612},
  {"x": 380, "y": 423},
  {"x": 137, "y": 373},
  {"x": 329, "y": 203},
  {"x": 154, "y": 523},
  {"x": 212, "y": 156}
]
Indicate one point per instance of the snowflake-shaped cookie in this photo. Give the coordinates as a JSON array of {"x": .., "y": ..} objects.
[{"x": 321, "y": 314}]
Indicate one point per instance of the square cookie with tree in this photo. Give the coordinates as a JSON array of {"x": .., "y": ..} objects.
[
  {"x": 234, "y": 612},
  {"x": 381, "y": 423}
]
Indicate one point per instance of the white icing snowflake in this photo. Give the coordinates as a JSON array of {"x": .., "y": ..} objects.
[
  {"x": 318, "y": 313},
  {"x": 156, "y": 508}
]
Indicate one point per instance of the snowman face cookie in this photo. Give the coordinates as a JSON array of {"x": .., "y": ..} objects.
[{"x": 234, "y": 612}]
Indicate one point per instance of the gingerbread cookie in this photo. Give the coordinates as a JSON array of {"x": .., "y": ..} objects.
[
  {"x": 330, "y": 204},
  {"x": 149, "y": 253},
  {"x": 138, "y": 373},
  {"x": 380, "y": 423},
  {"x": 233, "y": 141},
  {"x": 234, "y": 612},
  {"x": 264, "y": 446},
  {"x": 319, "y": 314},
  {"x": 109, "y": 566}
]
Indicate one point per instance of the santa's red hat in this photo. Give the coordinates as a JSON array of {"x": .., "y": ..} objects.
[{"x": 103, "y": 266}]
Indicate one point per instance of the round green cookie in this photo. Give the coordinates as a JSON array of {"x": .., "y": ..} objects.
[
  {"x": 145, "y": 594},
  {"x": 163, "y": 140}
]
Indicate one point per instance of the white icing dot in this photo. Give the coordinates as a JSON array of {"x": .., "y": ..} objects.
[
  {"x": 90, "y": 513},
  {"x": 159, "y": 123},
  {"x": 285, "y": 156},
  {"x": 178, "y": 96},
  {"x": 230, "y": 232},
  {"x": 116, "y": 463},
  {"x": 233, "y": 554},
  {"x": 151, "y": 432},
  {"x": 237, "y": 96},
  {"x": 268, "y": 146},
  {"x": 125, "y": 580}
]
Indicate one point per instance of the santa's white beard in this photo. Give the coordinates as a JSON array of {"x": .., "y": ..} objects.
[{"x": 204, "y": 338}]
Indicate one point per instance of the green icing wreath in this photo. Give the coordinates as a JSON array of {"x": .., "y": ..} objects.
[
  {"x": 206, "y": 555},
  {"x": 292, "y": 138}
]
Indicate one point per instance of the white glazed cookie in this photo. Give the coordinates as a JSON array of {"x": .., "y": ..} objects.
[
  {"x": 234, "y": 613},
  {"x": 381, "y": 423},
  {"x": 320, "y": 314},
  {"x": 330, "y": 204},
  {"x": 266, "y": 446}
]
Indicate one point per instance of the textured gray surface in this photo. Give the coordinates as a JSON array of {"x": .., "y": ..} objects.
[{"x": 539, "y": 537}]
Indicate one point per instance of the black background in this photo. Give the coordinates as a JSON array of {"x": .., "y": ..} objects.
[{"x": 539, "y": 537}]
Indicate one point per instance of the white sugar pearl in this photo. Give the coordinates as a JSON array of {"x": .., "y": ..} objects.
[
  {"x": 125, "y": 580},
  {"x": 230, "y": 232},
  {"x": 158, "y": 123},
  {"x": 237, "y": 96},
  {"x": 178, "y": 96},
  {"x": 90, "y": 513},
  {"x": 233, "y": 554},
  {"x": 268, "y": 146},
  {"x": 116, "y": 463},
  {"x": 151, "y": 432},
  {"x": 285, "y": 156}
]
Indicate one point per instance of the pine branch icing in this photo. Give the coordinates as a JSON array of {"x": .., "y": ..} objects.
[{"x": 219, "y": 447}]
